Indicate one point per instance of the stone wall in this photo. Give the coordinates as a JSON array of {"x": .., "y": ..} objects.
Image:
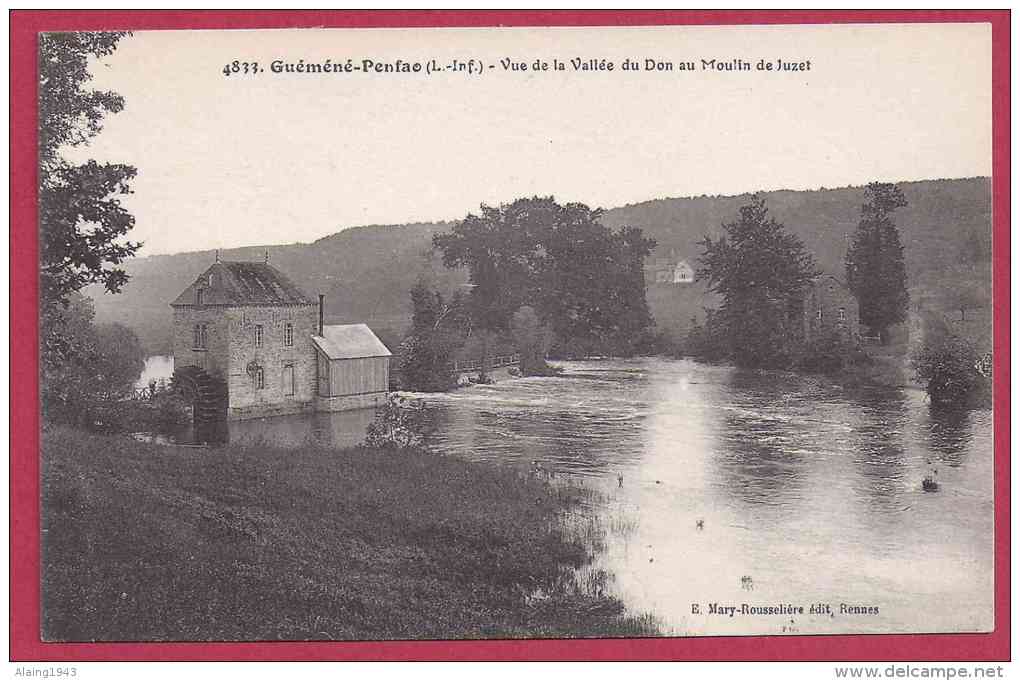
[
  {"x": 830, "y": 297},
  {"x": 215, "y": 357},
  {"x": 273, "y": 356}
]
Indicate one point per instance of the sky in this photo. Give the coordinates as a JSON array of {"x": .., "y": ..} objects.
[{"x": 237, "y": 160}]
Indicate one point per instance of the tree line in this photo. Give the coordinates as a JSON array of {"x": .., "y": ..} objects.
[
  {"x": 547, "y": 279},
  {"x": 761, "y": 271}
]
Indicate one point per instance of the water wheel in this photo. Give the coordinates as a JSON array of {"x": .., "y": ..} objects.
[{"x": 206, "y": 393}]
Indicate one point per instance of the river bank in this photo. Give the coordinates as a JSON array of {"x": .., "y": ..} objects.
[{"x": 144, "y": 541}]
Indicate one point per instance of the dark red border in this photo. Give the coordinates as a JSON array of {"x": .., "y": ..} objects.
[{"x": 24, "y": 421}]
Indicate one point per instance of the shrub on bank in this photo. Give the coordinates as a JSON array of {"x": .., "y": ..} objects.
[
  {"x": 161, "y": 412},
  {"x": 705, "y": 341},
  {"x": 949, "y": 367},
  {"x": 829, "y": 354},
  {"x": 400, "y": 423}
]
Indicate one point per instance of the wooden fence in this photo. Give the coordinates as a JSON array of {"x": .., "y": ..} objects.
[{"x": 494, "y": 363}]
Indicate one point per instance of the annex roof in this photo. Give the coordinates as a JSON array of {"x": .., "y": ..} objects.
[
  {"x": 349, "y": 341},
  {"x": 242, "y": 283}
]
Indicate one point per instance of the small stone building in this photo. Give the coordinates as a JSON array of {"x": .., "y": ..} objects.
[
  {"x": 243, "y": 338},
  {"x": 829, "y": 307}
]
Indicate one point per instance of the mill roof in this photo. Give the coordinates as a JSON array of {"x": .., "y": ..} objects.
[
  {"x": 243, "y": 283},
  {"x": 349, "y": 341}
]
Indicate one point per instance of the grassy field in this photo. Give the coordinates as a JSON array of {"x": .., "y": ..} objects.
[{"x": 151, "y": 542}]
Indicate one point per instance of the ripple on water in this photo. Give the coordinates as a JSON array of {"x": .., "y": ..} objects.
[{"x": 812, "y": 490}]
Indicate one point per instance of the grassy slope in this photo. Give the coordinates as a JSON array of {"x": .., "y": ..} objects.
[{"x": 146, "y": 542}]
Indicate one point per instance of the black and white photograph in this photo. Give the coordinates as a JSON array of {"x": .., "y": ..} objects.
[{"x": 515, "y": 333}]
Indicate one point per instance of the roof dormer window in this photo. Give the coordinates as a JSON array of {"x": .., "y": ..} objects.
[{"x": 199, "y": 295}]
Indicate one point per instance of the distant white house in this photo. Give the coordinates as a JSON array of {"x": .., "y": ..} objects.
[
  {"x": 671, "y": 271},
  {"x": 683, "y": 273}
]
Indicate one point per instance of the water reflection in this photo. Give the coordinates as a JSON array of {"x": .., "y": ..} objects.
[
  {"x": 157, "y": 368},
  {"x": 949, "y": 432},
  {"x": 755, "y": 459},
  {"x": 810, "y": 490},
  {"x": 340, "y": 429}
]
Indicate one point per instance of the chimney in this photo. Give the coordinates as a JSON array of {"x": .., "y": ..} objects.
[{"x": 321, "y": 298}]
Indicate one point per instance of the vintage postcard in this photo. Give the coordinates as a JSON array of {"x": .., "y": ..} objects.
[{"x": 516, "y": 332}]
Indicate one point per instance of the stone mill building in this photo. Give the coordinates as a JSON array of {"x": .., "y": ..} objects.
[
  {"x": 247, "y": 343},
  {"x": 830, "y": 308}
]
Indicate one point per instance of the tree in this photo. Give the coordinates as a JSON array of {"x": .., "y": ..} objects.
[
  {"x": 82, "y": 224},
  {"x": 107, "y": 360},
  {"x": 532, "y": 339},
  {"x": 875, "y": 269},
  {"x": 760, "y": 270},
  {"x": 584, "y": 280},
  {"x": 68, "y": 345},
  {"x": 438, "y": 327},
  {"x": 119, "y": 360}
]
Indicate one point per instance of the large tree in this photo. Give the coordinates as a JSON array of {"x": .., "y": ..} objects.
[
  {"x": 584, "y": 280},
  {"x": 82, "y": 223},
  {"x": 875, "y": 269},
  {"x": 760, "y": 270}
]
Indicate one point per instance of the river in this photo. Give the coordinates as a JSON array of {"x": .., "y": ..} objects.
[
  {"x": 728, "y": 487},
  {"x": 810, "y": 491}
]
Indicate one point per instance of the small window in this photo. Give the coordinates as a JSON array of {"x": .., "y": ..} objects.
[
  {"x": 199, "y": 337},
  {"x": 199, "y": 295},
  {"x": 818, "y": 315},
  {"x": 258, "y": 335},
  {"x": 842, "y": 314},
  {"x": 260, "y": 379},
  {"x": 288, "y": 334}
]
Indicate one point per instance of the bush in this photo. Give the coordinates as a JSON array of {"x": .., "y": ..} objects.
[
  {"x": 828, "y": 354},
  {"x": 707, "y": 341},
  {"x": 162, "y": 413},
  {"x": 424, "y": 365},
  {"x": 654, "y": 341},
  {"x": 89, "y": 369},
  {"x": 400, "y": 423},
  {"x": 532, "y": 339},
  {"x": 948, "y": 366}
]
